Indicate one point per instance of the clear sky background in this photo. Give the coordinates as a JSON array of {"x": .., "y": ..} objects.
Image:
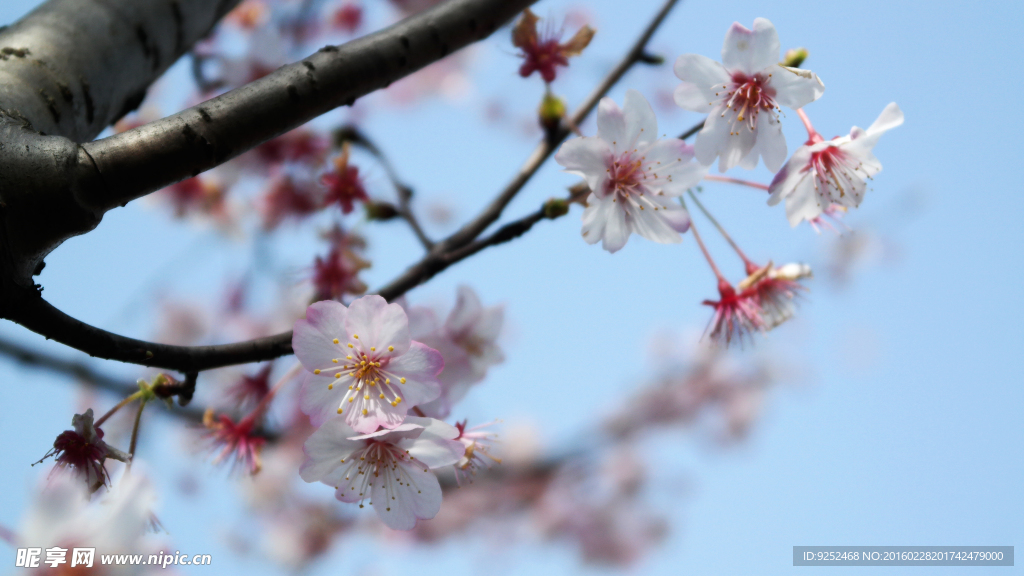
[{"x": 901, "y": 424}]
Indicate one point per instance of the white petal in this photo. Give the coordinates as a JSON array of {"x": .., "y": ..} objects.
[
  {"x": 890, "y": 118},
  {"x": 611, "y": 124},
  {"x": 403, "y": 431},
  {"x": 420, "y": 367},
  {"x": 595, "y": 216},
  {"x": 676, "y": 216},
  {"x": 379, "y": 411},
  {"x": 326, "y": 448},
  {"x": 616, "y": 229},
  {"x": 671, "y": 164},
  {"x": 805, "y": 202},
  {"x": 434, "y": 427},
  {"x": 401, "y": 505},
  {"x": 771, "y": 144},
  {"x": 422, "y": 321},
  {"x": 751, "y": 51},
  {"x": 347, "y": 482},
  {"x": 466, "y": 312},
  {"x": 319, "y": 402},
  {"x": 702, "y": 77},
  {"x": 312, "y": 337},
  {"x": 795, "y": 87},
  {"x": 587, "y": 158},
  {"x": 718, "y": 139},
  {"x": 378, "y": 324},
  {"x": 489, "y": 324},
  {"x": 641, "y": 123},
  {"x": 786, "y": 179},
  {"x": 652, "y": 226}
]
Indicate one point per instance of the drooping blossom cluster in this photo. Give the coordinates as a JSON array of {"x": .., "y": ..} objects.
[
  {"x": 638, "y": 184},
  {"x": 363, "y": 374}
]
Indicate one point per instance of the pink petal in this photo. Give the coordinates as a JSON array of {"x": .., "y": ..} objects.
[{"x": 312, "y": 337}]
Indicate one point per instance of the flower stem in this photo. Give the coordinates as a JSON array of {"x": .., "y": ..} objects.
[
  {"x": 703, "y": 248},
  {"x": 812, "y": 134},
  {"x": 721, "y": 229},
  {"x": 117, "y": 407},
  {"x": 265, "y": 402},
  {"x": 757, "y": 185},
  {"x": 135, "y": 436}
]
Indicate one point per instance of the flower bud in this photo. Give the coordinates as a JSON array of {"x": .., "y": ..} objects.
[
  {"x": 794, "y": 57},
  {"x": 381, "y": 211},
  {"x": 550, "y": 113},
  {"x": 555, "y": 208}
]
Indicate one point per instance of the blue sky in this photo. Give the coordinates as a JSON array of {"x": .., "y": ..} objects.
[{"x": 902, "y": 424}]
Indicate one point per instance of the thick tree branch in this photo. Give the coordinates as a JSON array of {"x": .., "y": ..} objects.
[
  {"x": 73, "y": 67},
  {"x": 134, "y": 163},
  {"x": 81, "y": 372}
]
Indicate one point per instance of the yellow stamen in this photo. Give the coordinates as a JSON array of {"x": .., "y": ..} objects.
[
  {"x": 391, "y": 348},
  {"x": 317, "y": 371},
  {"x": 402, "y": 380},
  {"x": 335, "y": 340}
]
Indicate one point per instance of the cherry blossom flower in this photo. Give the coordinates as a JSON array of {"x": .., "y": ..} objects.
[
  {"x": 290, "y": 197},
  {"x": 477, "y": 444},
  {"x": 84, "y": 452},
  {"x": 344, "y": 186},
  {"x": 737, "y": 314},
  {"x": 775, "y": 289},
  {"x": 301, "y": 145},
  {"x": 390, "y": 467},
  {"x": 338, "y": 273},
  {"x": 742, "y": 98},
  {"x": 196, "y": 194},
  {"x": 348, "y": 17},
  {"x": 361, "y": 362},
  {"x": 468, "y": 342},
  {"x": 249, "y": 389},
  {"x": 237, "y": 442},
  {"x": 825, "y": 173},
  {"x": 119, "y": 522},
  {"x": 541, "y": 51},
  {"x": 631, "y": 176}
]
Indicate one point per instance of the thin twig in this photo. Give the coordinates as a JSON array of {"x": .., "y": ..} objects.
[
  {"x": 547, "y": 146},
  {"x": 351, "y": 133},
  {"x": 693, "y": 130}
]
